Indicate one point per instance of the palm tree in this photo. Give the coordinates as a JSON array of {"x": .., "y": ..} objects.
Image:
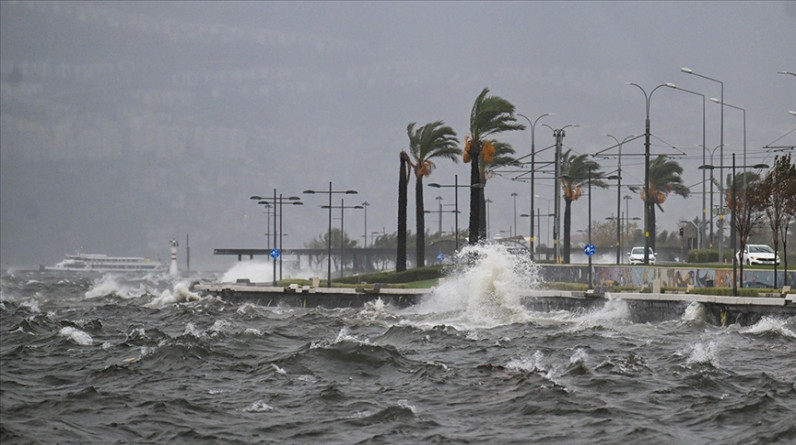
[
  {"x": 575, "y": 173},
  {"x": 500, "y": 158},
  {"x": 664, "y": 178},
  {"x": 403, "y": 181},
  {"x": 433, "y": 140},
  {"x": 490, "y": 115}
]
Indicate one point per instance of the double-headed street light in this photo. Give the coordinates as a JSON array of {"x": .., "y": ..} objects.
[
  {"x": 704, "y": 211},
  {"x": 721, "y": 151},
  {"x": 647, "y": 201},
  {"x": 294, "y": 200},
  {"x": 342, "y": 208},
  {"x": 330, "y": 192},
  {"x": 744, "y": 124},
  {"x": 532, "y": 124},
  {"x": 732, "y": 220},
  {"x": 618, "y": 178}
]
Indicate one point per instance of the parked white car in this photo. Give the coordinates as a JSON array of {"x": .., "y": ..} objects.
[
  {"x": 636, "y": 255},
  {"x": 757, "y": 254}
]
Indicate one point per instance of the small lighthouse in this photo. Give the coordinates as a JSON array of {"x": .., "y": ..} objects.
[{"x": 173, "y": 266}]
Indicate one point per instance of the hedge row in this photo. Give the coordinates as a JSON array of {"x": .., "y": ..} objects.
[{"x": 408, "y": 276}]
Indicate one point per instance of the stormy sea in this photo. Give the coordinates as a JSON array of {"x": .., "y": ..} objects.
[{"x": 143, "y": 359}]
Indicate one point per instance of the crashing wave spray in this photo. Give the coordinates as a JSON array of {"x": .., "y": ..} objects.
[{"x": 485, "y": 289}]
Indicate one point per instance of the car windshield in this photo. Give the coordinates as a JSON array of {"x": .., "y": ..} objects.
[
  {"x": 760, "y": 249},
  {"x": 637, "y": 251}
]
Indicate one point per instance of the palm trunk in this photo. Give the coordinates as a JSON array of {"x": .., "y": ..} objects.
[
  {"x": 567, "y": 227},
  {"x": 421, "y": 222},
  {"x": 476, "y": 193},
  {"x": 482, "y": 199},
  {"x": 651, "y": 216},
  {"x": 400, "y": 260}
]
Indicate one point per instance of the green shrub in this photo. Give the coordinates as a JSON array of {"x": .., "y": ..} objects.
[
  {"x": 408, "y": 276},
  {"x": 703, "y": 256}
]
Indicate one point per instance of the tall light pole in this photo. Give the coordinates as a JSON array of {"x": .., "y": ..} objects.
[
  {"x": 744, "y": 129},
  {"x": 514, "y": 228},
  {"x": 559, "y": 134},
  {"x": 330, "y": 192},
  {"x": 295, "y": 200},
  {"x": 702, "y": 167},
  {"x": 704, "y": 147},
  {"x": 647, "y": 203},
  {"x": 342, "y": 208},
  {"x": 618, "y": 178},
  {"x": 365, "y": 206},
  {"x": 532, "y": 124},
  {"x": 456, "y": 202},
  {"x": 721, "y": 153}
]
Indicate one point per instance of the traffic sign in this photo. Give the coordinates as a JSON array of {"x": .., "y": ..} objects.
[
  {"x": 589, "y": 250},
  {"x": 274, "y": 253},
  {"x": 440, "y": 257}
]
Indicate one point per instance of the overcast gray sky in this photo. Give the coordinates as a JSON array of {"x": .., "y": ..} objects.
[{"x": 125, "y": 124}]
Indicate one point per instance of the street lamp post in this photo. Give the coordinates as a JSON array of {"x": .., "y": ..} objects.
[
  {"x": 744, "y": 128},
  {"x": 618, "y": 178},
  {"x": 295, "y": 200},
  {"x": 330, "y": 192},
  {"x": 721, "y": 152},
  {"x": 514, "y": 228},
  {"x": 365, "y": 206},
  {"x": 704, "y": 210},
  {"x": 712, "y": 152},
  {"x": 559, "y": 135},
  {"x": 647, "y": 203},
  {"x": 532, "y": 124},
  {"x": 342, "y": 208}
]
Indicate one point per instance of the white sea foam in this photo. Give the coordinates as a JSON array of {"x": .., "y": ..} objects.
[
  {"x": 770, "y": 325},
  {"x": 179, "y": 293},
  {"x": 611, "y": 314},
  {"x": 694, "y": 312},
  {"x": 76, "y": 335},
  {"x": 485, "y": 292},
  {"x": 258, "y": 271},
  {"x": 258, "y": 407},
  {"x": 704, "y": 353},
  {"x": 109, "y": 284}
]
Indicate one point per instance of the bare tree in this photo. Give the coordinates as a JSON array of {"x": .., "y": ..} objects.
[
  {"x": 749, "y": 205},
  {"x": 777, "y": 189}
]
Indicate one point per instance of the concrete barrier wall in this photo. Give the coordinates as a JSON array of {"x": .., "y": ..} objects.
[{"x": 638, "y": 276}]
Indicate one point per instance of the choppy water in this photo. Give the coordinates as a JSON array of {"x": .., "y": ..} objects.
[{"x": 121, "y": 360}]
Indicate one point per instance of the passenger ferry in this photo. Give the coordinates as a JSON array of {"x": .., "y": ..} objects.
[{"x": 96, "y": 262}]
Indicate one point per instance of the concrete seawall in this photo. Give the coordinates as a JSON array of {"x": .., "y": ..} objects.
[{"x": 643, "y": 308}]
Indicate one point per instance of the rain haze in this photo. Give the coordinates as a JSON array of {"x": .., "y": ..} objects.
[{"x": 127, "y": 124}]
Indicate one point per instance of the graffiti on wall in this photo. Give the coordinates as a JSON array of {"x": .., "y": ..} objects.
[{"x": 639, "y": 276}]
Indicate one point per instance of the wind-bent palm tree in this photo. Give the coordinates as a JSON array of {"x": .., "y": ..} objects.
[
  {"x": 575, "y": 173},
  {"x": 490, "y": 115},
  {"x": 403, "y": 184},
  {"x": 501, "y": 158},
  {"x": 664, "y": 179},
  {"x": 433, "y": 140}
]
